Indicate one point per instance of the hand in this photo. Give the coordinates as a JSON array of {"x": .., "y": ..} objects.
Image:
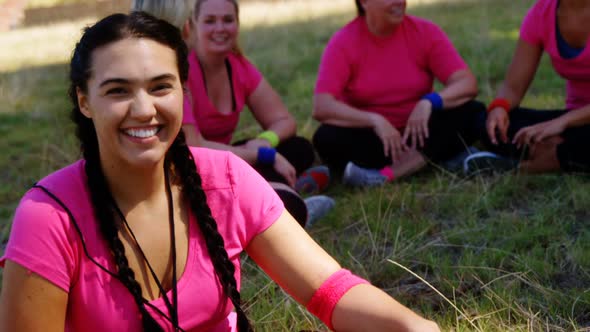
[
  {"x": 284, "y": 167},
  {"x": 417, "y": 127},
  {"x": 498, "y": 122},
  {"x": 425, "y": 325},
  {"x": 536, "y": 133},
  {"x": 389, "y": 136},
  {"x": 256, "y": 143}
]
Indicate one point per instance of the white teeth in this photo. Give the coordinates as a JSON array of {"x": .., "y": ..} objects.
[{"x": 142, "y": 133}]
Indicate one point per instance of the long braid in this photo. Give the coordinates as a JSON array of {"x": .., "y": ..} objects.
[
  {"x": 103, "y": 210},
  {"x": 192, "y": 189}
]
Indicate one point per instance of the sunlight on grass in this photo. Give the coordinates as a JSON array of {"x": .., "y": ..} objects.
[{"x": 41, "y": 45}]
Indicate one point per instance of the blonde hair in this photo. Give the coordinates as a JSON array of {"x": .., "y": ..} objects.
[{"x": 176, "y": 12}]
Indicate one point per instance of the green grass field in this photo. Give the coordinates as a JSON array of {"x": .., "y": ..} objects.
[{"x": 504, "y": 253}]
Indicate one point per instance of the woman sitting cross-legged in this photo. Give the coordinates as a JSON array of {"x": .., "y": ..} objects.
[
  {"x": 374, "y": 96},
  {"x": 548, "y": 140},
  {"x": 145, "y": 233}
]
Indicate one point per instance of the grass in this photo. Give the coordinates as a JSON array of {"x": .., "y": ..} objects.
[{"x": 511, "y": 253}]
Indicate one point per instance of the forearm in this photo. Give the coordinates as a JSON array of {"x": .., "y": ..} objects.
[
  {"x": 460, "y": 88},
  {"x": 578, "y": 117},
  {"x": 249, "y": 155},
  {"x": 284, "y": 127},
  {"x": 328, "y": 110},
  {"x": 366, "y": 308}
]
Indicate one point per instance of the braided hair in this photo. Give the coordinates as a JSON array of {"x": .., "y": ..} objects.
[{"x": 141, "y": 25}]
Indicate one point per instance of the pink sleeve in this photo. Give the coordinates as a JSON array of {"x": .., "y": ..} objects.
[
  {"x": 250, "y": 76},
  {"x": 334, "y": 70},
  {"x": 42, "y": 239},
  {"x": 531, "y": 28},
  {"x": 443, "y": 58},
  {"x": 259, "y": 204}
]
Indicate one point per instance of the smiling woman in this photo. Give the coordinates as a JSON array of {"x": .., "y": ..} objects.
[{"x": 145, "y": 233}]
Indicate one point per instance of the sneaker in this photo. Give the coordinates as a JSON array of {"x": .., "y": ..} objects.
[
  {"x": 455, "y": 164},
  {"x": 317, "y": 207},
  {"x": 362, "y": 177},
  {"x": 487, "y": 162},
  {"x": 313, "y": 180}
]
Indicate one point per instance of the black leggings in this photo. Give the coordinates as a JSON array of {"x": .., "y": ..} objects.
[
  {"x": 450, "y": 132},
  {"x": 572, "y": 153}
]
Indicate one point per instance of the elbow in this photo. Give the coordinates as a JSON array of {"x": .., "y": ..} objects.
[{"x": 318, "y": 112}]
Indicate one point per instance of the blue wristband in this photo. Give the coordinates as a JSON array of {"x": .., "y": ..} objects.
[
  {"x": 266, "y": 156},
  {"x": 435, "y": 100}
]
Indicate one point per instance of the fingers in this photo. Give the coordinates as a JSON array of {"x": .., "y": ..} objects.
[
  {"x": 522, "y": 137},
  {"x": 491, "y": 128}
]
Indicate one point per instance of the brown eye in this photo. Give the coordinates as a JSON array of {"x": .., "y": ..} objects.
[{"x": 116, "y": 91}]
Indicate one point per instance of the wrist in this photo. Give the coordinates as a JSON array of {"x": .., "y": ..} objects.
[
  {"x": 270, "y": 136},
  {"x": 502, "y": 103},
  {"x": 435, "y": 101},
  {"x": 266, "y": 156}
]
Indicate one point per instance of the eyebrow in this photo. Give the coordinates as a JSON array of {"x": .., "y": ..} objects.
[{"x": 126, "y": 81}]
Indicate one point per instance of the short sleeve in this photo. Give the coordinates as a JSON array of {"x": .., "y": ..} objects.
[
  {"x": 334, "y": 70},
  {"x": 443, "y": 58},
  {"x": 531, "y": 27},
  {"x": 258, "y": 203},
  {"x": 42, "y": 240}
]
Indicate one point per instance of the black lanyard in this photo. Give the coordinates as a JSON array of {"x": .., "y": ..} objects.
[{"x": 172, "y": 307}]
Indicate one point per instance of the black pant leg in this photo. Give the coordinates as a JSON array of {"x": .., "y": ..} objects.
[
  {"x": 337, "y": 146},
  {"x": 573, "y": 154},
  {"x": 519, "y": 118},
  {"x": 451, "y": 131},
  {"x": 298, "y": 151}
]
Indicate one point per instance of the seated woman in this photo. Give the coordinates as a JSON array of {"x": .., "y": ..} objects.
[
  {"x": 145, "y": 233},
  {"x": 374, "y": 96},
  {"x": 221, "y": 83},
  {"x": 550, "y": 140}
]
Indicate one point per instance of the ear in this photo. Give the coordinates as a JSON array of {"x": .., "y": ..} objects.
[{"x": 83, "y": 103}]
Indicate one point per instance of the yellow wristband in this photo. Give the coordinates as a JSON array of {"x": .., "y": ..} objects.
[{"x": 270, "y": 136}]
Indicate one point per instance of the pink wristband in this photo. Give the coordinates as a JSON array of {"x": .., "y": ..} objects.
[{"x": 326, "y": 297}]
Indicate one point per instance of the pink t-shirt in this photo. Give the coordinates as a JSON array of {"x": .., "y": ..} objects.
[
  {"x": 43, "y": 239},
  {"x": 200, "y": 111},
  {"x": 387, "y": 75},
  {"x": 538, "y": 28}
]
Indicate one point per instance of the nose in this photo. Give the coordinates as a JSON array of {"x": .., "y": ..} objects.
[{"x": 143, "y": 107}]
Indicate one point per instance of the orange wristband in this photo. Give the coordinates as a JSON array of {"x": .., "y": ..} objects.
[{"x": 500, "y": 102}]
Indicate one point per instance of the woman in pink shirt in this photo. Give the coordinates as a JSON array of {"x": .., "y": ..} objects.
[
  {"x": 374, "y": 96},
  {"x": 145, "y": 233},
  {"x": 555, "y": 139}
]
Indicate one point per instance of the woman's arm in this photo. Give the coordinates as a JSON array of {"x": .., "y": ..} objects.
[
  {"x": 301, "y": 266},
  {"x": 30, "y": 303},
  {"x": 460, "y": 87},
  {"x": 519, "y": 76},
  {"x": 329, "y": 110},
  {"x": 270, "y": 112}
]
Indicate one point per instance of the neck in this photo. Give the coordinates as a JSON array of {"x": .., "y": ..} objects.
[
  {"x": 131, "y": 186},
  {"x": 574, "y": 4},
  {"x": 211, "y": 61},
  {"x": 379, "y": 30}
]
